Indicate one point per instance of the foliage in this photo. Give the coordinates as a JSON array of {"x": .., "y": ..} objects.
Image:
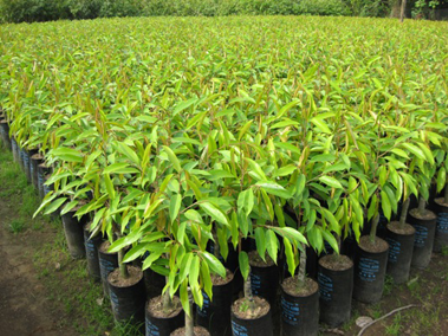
[{"x": 173, "y": 134}]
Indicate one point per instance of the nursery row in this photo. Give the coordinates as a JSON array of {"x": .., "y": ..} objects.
[{"x": 213, "y": 159}]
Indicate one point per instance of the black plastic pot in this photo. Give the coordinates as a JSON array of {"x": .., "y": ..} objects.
[
  {"x": 36, "y": 160},
  {"x": 441, "y": 236},
  {"x": 300, "y": 314},
  {"x": 4, "y": 134},
  {"x": 335, "y": 292},
  {"x": 162, "y": 326},
  {"x": 349, "y": 246},
  {"x": 74, "y": 234},
  {"x": 28, "y": 164},
  {"x": 42, "y": 172},
  {"x": 232, "y": 264},
  {"x": 128, "y": 302},
  {"x": 264, "y": 280},
  {"x": 215, "y": 315},
  {"x": 108, "y": 263},
  {"x": 154, "y": 283},
  {"x": 91, "y": 246},
  {"x": 425, "y": 230},
  {"x": 401, "y": 247},
  {"x": 370, "y": 272},
  {"x": 23, "y": 159},
  {"x": 15, "y": 150},
  {"x": 261, "y": 326}
]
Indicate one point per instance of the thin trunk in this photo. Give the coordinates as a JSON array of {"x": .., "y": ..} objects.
[
  {"x": 216, "y": 248},
  {"x": 166, "y": 300},
  {"x": 122, "y": 266},
  {"x": 404, "y": 212},
  {"x": 248, "y": 293},
  {"x": 403, "y": 10},
  {"x": 421, "y": 205},
  {"x": 189, "y": 323},
  {"x": 302, "y": 267},
  {"x": 375, "y": 222},
  {"x": 446, "y": 193}
]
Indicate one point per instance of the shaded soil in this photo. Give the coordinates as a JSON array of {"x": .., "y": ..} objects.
[
  {"x": 241, "y": 310},
  {"x": 198, "y": 331},
  {"x": 291, "y": 287},
  {"x": 155, "y": 307},
  {"x": 378, "y": 246},
  {"x": 405, "y": 230},
  {"x": 135, "y": 275},
  {"x": 426, "y": 215},
  {"x": 255, "y": 260},
  {"x": 336, "y": 262},
  {"x": 218, "y": 281}
]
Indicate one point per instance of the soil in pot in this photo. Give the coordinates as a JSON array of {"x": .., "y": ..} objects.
[
  {"x": 441, "y": 235},
  {"x": 74, "y": 233},
  {"x": 401, "y": 247},
  {"x": 299, "y": 308},
  {"x": 108, "y": 263},
  {"x": 370, "y": 269},
  {"x": 36, "y": 160},
  {"x": 335, "y": 280},
  {"x": 161, "y": 323},
  {"x": 127, "y": 296},
  {"x": 198, "y": 331},
  {"x": 256, "y": 323},
  {"x": 91, "y": 246},
  {"x": 425, "y": 229},
  {"x": 264, "y": 277},
  {"x": 215, "y": 314}
]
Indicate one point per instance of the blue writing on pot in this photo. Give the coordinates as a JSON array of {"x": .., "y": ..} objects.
[
  {"x": 255, "y": 281},
  {"x": 442, "y": 222},
  {"x": 325, "y": 287},
  {"x": 394, "y": 250},
  {"x": 368, "y": 269},
  {"x": 290, "y": 311},
  {"x": 114, "y": 301},
  {"x": 421, "y": 235},
  {"x": 239, "y": 330},
  {"x": 106, "y": 267},
  {"x": 90, "y": 249},
  {"x": 151, "y": 329}
]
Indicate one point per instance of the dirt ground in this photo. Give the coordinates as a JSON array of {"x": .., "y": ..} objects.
[{"x": 24, "y": 306}]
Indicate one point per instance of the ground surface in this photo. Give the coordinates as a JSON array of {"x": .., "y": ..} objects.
[{"x": 43, "y": 292}]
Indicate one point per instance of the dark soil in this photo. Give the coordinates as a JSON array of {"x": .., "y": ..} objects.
[
  {"x": 255, "y": 260},
  {"x": 404, "y": 230},
  {"x": 336, "y": 262},
  {"x": 198, "y": 331},
  {"x": 155, "y": 307},
  {"x": 240, "y": 308},
  {"x": 37, "y": 156},
  {"x": 290, "y": 286},
  {"x": 135, "y": 275},
  {"x": 378, "y": 246},
  {"x": 104, "y": 246},
  {"x": 219, "y": 281},
  {"x": 426, "y": 215},
  {"x": 441, "y": 201}
]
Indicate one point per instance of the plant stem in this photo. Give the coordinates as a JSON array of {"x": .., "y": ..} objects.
[
  {"x": 166, "y": 300},
  {"x": 122, "y": 266},
  {"x": 248, "y": 293},
  {"x": 446, "y": 194},
  {"x": 375, "y": 222},
  {"x": 189, "y": 323},
  {"x": 404, "y": 212},
  {"x": 302, "y": 268},
  {"x": 421, "y": 205}
]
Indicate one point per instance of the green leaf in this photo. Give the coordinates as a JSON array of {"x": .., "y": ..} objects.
[
  {"x": 214, "y": 264},
  {"x": 115, "y": 168},
  {"x": 272, "y": 245},
  {"x": 321, "y": 125},
  {"x": 260, "y": 241},
  {"x": 128, "y": 152},
  {"x": 291, "y": 234},
  {"x": 173, "y": 158},
  {"x": 385, "y": 204},
  {"x": 414, "y": 150},
  {"x": 246, "y": 201},
  {"x": 184, "y": 105},
  {"x": 55, "y": 205},
  {"x": 68, "y": 154},
  {"x": 274, "y": 189},
  {"x": 331, "y": 240},
  {"x": 243, "y": 259},
  {"x": 215, "y": 213},
  {"x": 290, "y": 260},
  {"x": 331, "y": 181},
  {"x": 441, "y": 179},
  {"x": 175, "y": 204}
]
